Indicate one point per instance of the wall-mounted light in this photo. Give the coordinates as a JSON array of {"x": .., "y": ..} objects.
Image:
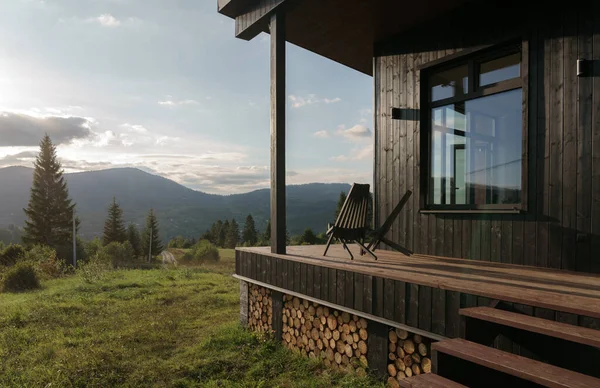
[{"x": 581, "y": 67}]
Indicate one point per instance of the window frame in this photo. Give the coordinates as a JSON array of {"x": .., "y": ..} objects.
[{"x": 473, "y": 59}]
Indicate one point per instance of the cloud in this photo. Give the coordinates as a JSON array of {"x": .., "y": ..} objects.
[
  {"x": 311, "y": 99},
  {"x": 17, "y": 129},
  {"x": 24, "y": 158},
  {"x": 172, "y": 103},
  {"x": 321, "y": 134},
  {"x": 358, "y": 132},
  {"x": 107, "y": 20},
  {"x": 135, "y": 128},
  {"x": 364, "y": 153},
  {"x": 163, "y": 140}
]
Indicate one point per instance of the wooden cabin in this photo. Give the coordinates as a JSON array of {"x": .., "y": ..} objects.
[{"x": 489, "y": 112}]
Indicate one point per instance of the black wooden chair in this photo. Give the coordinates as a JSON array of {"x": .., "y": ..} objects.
[
  {"x": 352, "y": 223},
  {"x": 379, "y": 234}
]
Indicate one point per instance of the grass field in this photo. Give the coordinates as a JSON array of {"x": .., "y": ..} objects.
[{"x": 170, "y": 327}]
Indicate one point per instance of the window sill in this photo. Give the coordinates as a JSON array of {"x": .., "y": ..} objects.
[{"x": 473, "y": 211}]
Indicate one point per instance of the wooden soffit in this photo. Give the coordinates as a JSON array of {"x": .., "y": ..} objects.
[{"x": 344, "y": 31}]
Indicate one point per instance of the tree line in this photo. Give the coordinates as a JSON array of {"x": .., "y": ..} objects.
[
  {"x": 144, "y": 244},
  {"x": 51, "y": 217}
]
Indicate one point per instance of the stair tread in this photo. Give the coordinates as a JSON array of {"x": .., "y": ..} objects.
[
  {"x": 565, "y": 331},
  {"x": 512, "y": 364},
  {"x": 429, "y": 380}
]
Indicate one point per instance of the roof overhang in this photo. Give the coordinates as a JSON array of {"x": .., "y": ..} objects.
[{"x": 345, "y": 31}]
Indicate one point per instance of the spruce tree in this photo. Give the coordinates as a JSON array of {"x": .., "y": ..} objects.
[
  {"x": 151, "y": 232},
  {"x": 114, "y": 228},
  {"x": 250, "y": 235},
  {"x": 233, "y": 234},
  {"x": 215, "y": 232},
  {"x": 207, "y": 236},
  {"x": 50, "y": 210},
  {"x": 308, "y": 237},
  {"x": 134, "y": 238},
  {"x": 223, "y": 230}
]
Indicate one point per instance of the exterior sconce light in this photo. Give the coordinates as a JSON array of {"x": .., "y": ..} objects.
[{"x": 581, "y": 67}]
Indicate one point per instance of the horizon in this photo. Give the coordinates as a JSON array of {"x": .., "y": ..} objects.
[
  {"x": 159, "y": 86},
  {"x": 141, "y": 169}
]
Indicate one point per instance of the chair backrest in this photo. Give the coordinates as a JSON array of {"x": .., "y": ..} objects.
[{"x": 353, "y": 214}]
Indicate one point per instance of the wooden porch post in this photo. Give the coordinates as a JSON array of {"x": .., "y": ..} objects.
[{"x": 278, "y": 100}]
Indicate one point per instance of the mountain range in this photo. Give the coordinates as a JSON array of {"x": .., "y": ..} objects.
[{"x": 180, "y": 210}]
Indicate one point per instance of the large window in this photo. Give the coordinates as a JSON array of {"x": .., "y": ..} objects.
[{"x": 476, "y": 133}]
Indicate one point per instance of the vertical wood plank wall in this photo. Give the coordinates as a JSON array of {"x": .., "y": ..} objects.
[{"x": 562, "y": 226}]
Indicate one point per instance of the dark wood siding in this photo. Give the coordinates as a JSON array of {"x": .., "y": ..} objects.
[{"x": 561, "y": 227}]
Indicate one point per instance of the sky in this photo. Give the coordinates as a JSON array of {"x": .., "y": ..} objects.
[{"x": 166, "y": 87}]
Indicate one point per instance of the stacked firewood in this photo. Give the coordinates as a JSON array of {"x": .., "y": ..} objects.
[
  {"x": 340, "y": 339},
  {"x": 408, "y": 355},
  {"x": 260, "y": 311}
]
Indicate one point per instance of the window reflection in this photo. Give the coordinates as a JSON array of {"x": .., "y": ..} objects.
[
  {"x": 449, "y": 83},
  {"x": 500, "y": 69},
  {"x": 476, "y": 151}
]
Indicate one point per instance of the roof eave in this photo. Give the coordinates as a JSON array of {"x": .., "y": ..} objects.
[{"x": 232, "y": 8}]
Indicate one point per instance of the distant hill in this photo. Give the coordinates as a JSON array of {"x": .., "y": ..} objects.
[{"x": 180, "y": 210}]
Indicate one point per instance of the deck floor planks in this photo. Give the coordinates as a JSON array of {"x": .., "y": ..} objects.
[{"x": 543, "y": 288}]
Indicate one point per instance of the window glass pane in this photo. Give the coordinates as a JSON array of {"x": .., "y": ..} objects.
[
  {"x": 500, "y": 69},
  {"x": 449, "y": 83},
  {"x": 476, "y": 151},
  {"x": 449, "y": 126}
]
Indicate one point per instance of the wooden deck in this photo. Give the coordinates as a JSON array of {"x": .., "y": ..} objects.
[{"x": 562, "y": 291}]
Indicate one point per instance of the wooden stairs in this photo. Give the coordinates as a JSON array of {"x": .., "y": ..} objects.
[{"x": 562, "y": 355}]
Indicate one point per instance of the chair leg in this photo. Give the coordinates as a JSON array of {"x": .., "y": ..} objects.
[
  {"x": 366, "y": 249},
  {"x": 373, "y": 245},
  {"x": 348, "y": 249},
  {"x": 328, "y": 244},
  {"x": 397, "y": 247}
]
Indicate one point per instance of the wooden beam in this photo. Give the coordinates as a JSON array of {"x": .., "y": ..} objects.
[
  {"x": 231, "y": 8},
  {"x": 278, "y": 99},
  {"x": 256, "y": 19}
]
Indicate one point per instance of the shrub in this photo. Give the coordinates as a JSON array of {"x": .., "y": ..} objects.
[
  {"x": 11, "y": 254},
  {"x": 46, "y": 261},
  {"x": 21, "y": 277},
  {"x": 120, "y": 254},
  {"x": 95, "y": 268},
  {"x": 203, "y": 251}
]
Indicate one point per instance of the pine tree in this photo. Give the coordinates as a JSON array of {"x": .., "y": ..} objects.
[
  {"x": 50, "y": 210},
  {"x": 250, "y": 235},
  {"x": 151, "y": 232},
  {"x": 308, "y": 237},
  {"x": 134, "y": 238},
  {"x": 215, "y": 232},
  {"x": 222, "y": 235},
  {"x": 340, "y": 203},
  {"x": 114, "y": 228},
  {"x": 207, "y": 236},
  {"x": 233, "y": 234}
]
